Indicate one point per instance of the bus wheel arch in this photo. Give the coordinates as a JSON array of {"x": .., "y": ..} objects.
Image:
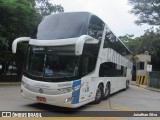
[
  {"x": 107, "y": 90},
  {"x": 99, "y": 93}
]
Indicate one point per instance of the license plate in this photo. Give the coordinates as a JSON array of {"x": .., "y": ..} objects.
[{"x": 40, "y": 99}]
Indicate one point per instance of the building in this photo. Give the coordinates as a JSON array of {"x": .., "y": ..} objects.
[{"x": 142, "y": 63}]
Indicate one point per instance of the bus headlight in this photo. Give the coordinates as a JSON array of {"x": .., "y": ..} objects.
[
  {"x": 69, "y": 89},
  {"x": 65, "y": 90},
  {"x": 24, "y": 84},
  {"x": 76, "y": 87}
]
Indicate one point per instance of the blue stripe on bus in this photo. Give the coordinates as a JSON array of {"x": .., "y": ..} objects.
[{"x": 76, "y": 93}]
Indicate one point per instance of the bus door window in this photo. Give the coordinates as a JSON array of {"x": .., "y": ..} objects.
[
  {"x": 72, "y": 68},
  {"x": 87, "y": 64}
]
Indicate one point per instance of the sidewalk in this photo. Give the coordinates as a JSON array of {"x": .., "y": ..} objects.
[
  {"x": 145, "y": 87},
  {"x": 10, "y": 83}
]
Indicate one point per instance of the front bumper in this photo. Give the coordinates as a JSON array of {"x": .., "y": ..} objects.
[{"x": 57, "y": 100}]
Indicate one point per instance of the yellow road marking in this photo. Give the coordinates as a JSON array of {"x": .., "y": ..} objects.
[
  {"x": 10, "y": 83},
  {"x": 113, "y": 107},
  {"x": 121, "y": 108}
]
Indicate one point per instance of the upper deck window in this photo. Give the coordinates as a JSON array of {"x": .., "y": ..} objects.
[
  {"x": 96, "y": 27},
  {"x": 111, "y": 41}
]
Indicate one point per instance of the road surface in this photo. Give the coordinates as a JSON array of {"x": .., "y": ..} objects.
[{"x": 133, "y": 99}]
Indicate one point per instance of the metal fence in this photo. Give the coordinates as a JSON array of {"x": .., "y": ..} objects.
[
  {"x": 154, "y": 79},
  {"x": 9, "y": 74}
]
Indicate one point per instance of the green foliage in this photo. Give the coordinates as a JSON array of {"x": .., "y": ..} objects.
[
  {"x": 148, "y": 11},
  {"x": 45, "y": 8},
  {"x": 150, "y": 42},
  {"x": 131, "y": 42},
  {"x": 19, "y": 18}
]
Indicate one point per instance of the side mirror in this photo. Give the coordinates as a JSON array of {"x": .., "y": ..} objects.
[
  {"x": 14, "y": 44},
  {"x": 80, "y": 43}
]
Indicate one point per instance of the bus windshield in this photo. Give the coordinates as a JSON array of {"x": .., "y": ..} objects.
[
  {"x": 59, "y": 61},
  {"x": 62, "y": 26}
]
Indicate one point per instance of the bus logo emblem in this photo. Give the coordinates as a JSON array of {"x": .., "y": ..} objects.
[{"x": 41, "y": 90}]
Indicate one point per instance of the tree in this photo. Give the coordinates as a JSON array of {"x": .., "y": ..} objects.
[
  {"x": 45, "y": 8},
  {"x": 150, "y": 42},
  {"x": 132, "y": 43},
  {"x": 19, "y": 18},
  {"x": 148, "y": 11}
]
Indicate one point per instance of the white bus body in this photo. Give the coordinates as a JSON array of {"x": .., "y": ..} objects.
[{"x": 100, "y": 67}]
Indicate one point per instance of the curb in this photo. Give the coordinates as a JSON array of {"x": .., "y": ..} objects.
[
  {"x": 153, "y": 89},
  {"x": 10, "y": 83},
  {"x": 146, "y": 87}
]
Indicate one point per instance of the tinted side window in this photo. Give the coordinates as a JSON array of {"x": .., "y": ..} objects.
[
  {"x": 109, "y": 69},
  {"x": 87, "y": 64},
  {"x": 111, "y": 41},
  {"x": 95, "y": 27}
]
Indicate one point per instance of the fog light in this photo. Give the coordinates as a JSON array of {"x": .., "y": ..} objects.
[{"x": 69, "y": 99}]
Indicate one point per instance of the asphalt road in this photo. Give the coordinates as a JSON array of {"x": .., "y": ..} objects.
[{"x": 133, "y": 99}]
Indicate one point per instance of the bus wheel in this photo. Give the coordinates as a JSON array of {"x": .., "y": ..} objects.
[
  {"x": 107, "y": 91},
  {"x": 99, "y": 94},
  {"x": 127, "y": 85}
]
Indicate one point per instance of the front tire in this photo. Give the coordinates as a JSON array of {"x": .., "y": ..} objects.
[{"x": 99, "y": 94}]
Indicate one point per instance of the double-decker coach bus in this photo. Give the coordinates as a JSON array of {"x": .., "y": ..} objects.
[{"x": 74, "y": 59}]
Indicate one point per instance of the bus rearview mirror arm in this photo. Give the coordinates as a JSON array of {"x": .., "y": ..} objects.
[
  {"x": 14, "y": 44},
  {"x": 80, "y": 43}
]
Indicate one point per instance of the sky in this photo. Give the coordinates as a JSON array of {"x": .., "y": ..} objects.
[{"x": 115, "y": 13}]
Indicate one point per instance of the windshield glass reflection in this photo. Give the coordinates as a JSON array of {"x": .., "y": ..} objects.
[{"x": 52, "y": 61}]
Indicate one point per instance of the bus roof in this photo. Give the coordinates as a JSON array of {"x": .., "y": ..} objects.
[{"x": 65, "y": 25}]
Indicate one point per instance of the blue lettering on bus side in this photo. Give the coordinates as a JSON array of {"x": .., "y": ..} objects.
[{"x": 76, "y": 93}]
